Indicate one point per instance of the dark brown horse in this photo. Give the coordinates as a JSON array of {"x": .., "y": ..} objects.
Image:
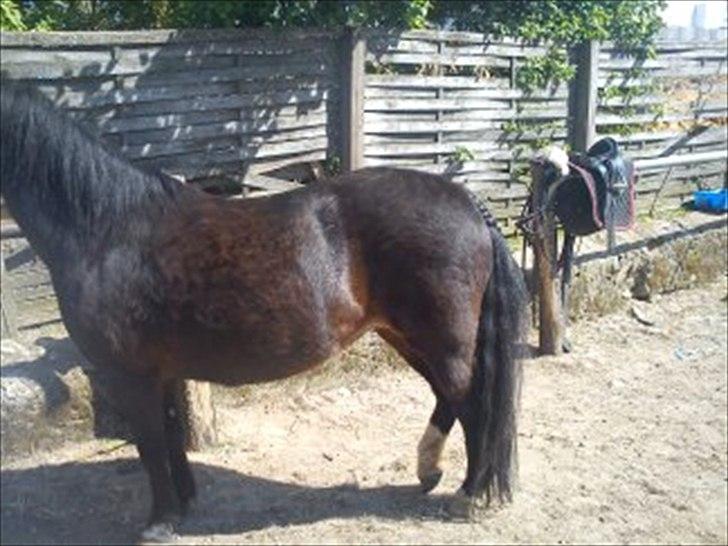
[{"x": 159, "y": 282}]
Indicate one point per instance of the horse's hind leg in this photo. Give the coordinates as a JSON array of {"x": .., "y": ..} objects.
[
  {"x": 429, "y": 450},
  {"x": 176, "y": 434}
]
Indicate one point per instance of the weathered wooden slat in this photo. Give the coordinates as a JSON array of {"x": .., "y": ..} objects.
[
  {"x": 274, "y": 48},
  {"x": 615, "y": 119},
  {"x": 608, "y": 63},
  {"x": 714, "y": 55},
  {"x": 642, "y": 136},
  {"x": 176, "y": 147},
  {"x": 272, "y": 101},
  {"x": 438, "y": 59},
  {"x": 484, "y": 94},
  {"x": 106, "y": 93},
  {"x": 711, "y": 107},
  {"x": 71, "y": 66},
  {"x": 135, "y": 37},
  {"x": 34, "y": 63},
  {"x": 500, "y": 191},
  {"x": 379, "y": 46},
  {"x": 439, "y": 36},
  {"x": 264, "y": 165},
  {"x": 227, "y": 154},
  {"x": 270, "y": 184},
  {"x": 676, "y": 70},
  {"x": 681, "y": 159},
  {"x": 482, "y": 150},
  {"x": 384, "y": 126},
  {"x": 495, "y": 50},
  {"x": 193, "y": 170},
  {"x": 460, "y": 103},
  {"x": 277, "y": 127},
  {"x": 491, "y": 115},
  {"x": 663, "y": 44},
  {"x": 641, "y": 100},
  {"x": 113, "y": 125},
  {"x": 392, "y": 92},
  {"x": 445, "y": 82},
  {"x": 500, "y": 48}
]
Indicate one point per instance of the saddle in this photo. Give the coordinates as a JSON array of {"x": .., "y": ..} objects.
[{"x": 598, "y": 192}]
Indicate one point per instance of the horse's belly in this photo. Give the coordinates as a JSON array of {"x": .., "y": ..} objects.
[{"x": 257, "y": 351}]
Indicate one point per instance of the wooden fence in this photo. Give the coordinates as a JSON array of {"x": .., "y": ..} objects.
[
  {"x": 218, "y": 107},
  {"x": 447, "y": 102},
  {"x": 683, "y": 111},
  {"x": 200, "y": 104}
]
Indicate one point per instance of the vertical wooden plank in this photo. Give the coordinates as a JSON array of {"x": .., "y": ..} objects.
[
  {"x": 512, "y": 104},
  {"x": 583, "y": 96},
  {"x": 200, "y": 416},
  {"x": 7, "y": 303},
  {"x": 439, "y": 94},
  {"x": 352, "y": 100},
  {"x": 550, "y": 323}
]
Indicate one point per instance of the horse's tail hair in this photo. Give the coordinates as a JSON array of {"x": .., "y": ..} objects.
[{"x": 501, "y": 333}]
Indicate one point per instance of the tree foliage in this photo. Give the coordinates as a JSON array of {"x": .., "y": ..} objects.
[
  {"x": 632, "y": 24},
  {"x": 146, "y": 14}
]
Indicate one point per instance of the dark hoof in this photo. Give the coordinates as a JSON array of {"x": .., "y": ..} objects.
[
  {"x": 462, "y": 507},
  {"x": 159, "y": 533},
  {"x": 428, "y": 483},
  {"x": 188, "y": 506}
]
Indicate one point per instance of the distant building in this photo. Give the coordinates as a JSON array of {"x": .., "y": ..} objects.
[{"x": 699, "y": 13}]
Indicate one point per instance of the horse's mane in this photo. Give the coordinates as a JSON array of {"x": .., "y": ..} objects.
[{"x": 75, "y": 180}]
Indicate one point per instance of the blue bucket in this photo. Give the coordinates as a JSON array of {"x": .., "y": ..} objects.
[{"x": 711, "y": 200}]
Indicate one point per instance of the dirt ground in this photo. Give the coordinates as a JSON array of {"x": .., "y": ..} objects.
[{"x": 621, "y": 441}]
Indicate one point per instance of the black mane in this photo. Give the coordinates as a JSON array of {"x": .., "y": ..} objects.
[{"x": 63, "y": 177}]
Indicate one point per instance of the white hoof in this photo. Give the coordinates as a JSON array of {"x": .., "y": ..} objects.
[
  {"x": 159, "y": 533},
  {"x": 429, "y": 451}
]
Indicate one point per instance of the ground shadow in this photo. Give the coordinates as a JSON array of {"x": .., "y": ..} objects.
[{"x": 102, "y": 502}]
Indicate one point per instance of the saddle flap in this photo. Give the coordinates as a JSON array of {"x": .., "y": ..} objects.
[{"x": 598, "y": 190}]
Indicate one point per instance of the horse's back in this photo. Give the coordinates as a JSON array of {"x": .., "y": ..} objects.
[{"x": 256, "y": 289}]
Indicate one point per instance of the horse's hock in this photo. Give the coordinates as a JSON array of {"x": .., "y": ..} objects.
[{"x": 49, "y": 394}]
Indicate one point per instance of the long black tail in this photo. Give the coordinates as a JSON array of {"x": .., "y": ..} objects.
[{"x": 500, "y": 336}]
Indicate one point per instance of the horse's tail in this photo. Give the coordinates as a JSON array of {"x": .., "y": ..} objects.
[{"x": 500, "y": 335}]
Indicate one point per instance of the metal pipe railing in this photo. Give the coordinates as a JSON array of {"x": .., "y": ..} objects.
[{"x": 659, "y": 163}]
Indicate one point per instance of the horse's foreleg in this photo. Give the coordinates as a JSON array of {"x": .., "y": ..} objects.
[
  {"x": 429, "y": 450},
  {"x": 140, "y": 398},
  {"x": 174, "y": 408}
]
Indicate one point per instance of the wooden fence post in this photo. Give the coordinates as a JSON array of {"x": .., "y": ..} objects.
[
  {"x": 352, "y": 100},
  {"x": 7, "y": 303},
  {"x": 199, "y": 415},
  {"x": 583, "y": 96},
  {"x": 550, "y": 316}
]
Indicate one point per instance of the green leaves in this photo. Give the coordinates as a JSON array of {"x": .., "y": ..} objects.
[
  {"x": 462, "y": 154},
  {"x": 545, "y": 71},
  {"x": 632, "y": 24},
  {"x": 10, "y": 16},
  {"x": 564, "y": 22}
]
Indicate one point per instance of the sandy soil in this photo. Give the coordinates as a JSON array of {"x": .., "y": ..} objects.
[{"x": 621, "y": 441}]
